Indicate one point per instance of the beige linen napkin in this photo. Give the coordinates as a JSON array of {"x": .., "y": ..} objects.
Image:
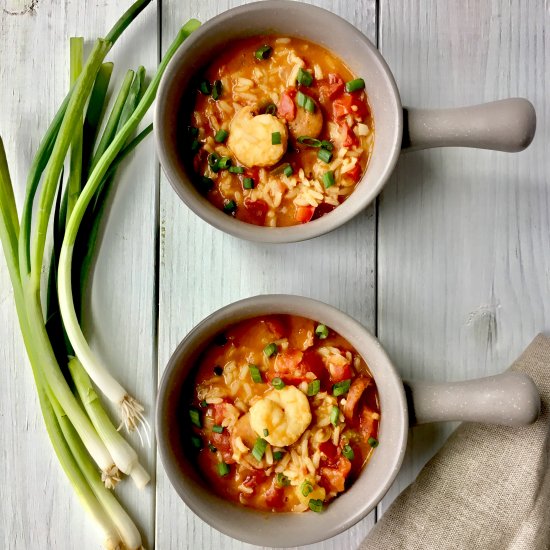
[{"x": 488, "y": 488}]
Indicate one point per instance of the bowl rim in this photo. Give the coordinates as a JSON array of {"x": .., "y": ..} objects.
[
  {"x": 237, "y": 228},
  {"x": 252, "y": 307}
]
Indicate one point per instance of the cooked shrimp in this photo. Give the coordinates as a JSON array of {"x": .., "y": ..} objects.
[
  {"x": 285, "y": 414},
  {"x": 250, "y": 138},
  {"x": 306, "y": 123}
]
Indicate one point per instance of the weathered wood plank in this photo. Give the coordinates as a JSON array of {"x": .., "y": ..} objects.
[
  {"x": 463, "y": 234},
  {"x": 38, "y": 506},
  {"x": 202, "y": 269}
]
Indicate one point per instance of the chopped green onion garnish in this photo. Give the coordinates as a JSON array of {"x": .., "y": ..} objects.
[
  {"x": 205, "y": 87},
  {"x": 313, "y": 387},
  {"x": 236, "y": 169},
  {"x": 347, "y": 451},
  {"x": 334, "y": 415},
  {"x": 309, "y": 141},
  {"x": 196, "y": 441},
  {"x": 229, "y": 207},
  {"x": 275, "y": 138},
  {"x": 372, "y": 442},
  {"x": 315, "y": 504},
  {"x": 206, "y": 183},
  {"x": 354, "y": 85},
  {"x": 309, "y": 105},
  {"x": 203, "y": 403},
  {"x": 213, "y": 159},
  {"x": 266, "y": 432},
  {"x": 340, "y": 388},
  {"x": 301, "y": 99},
  {"x": 217, "y": 89},
  {"x": 304, "y": 77},
  {"x": 321, "y": 331},
  {"x": 255, "y": 374},
  {"x": 282, "y": 480},
  {"x": 288, "y": 171},
  {"x": 259, "y": 448},
  {"x": 277, "y": 383},
  {"x": 212, "y": 448},
  {"x": 225, "y": 162},
  {"x": 270, "y": 349},
  {"x": 218, "y": 371},
  {"x": 306, "y": 488},
  {"x": 221, "y": 136},
  {"x": 263, "y": 52},
  {"x": 325, "y": 155},
  {"x": 277, "y": 455},
  {"x": 195, "y": 416},
  {"x": 328, "y": 179},
  {"x": 248, "y": 183},
  {"x": 195, "y": 145},
  {"x": 217, "y": 428},
  {"x": 271, "y": 109},
  {"x": 325, "y": 144},
  {"x": 192, "y": 131},
  {"x": 223, "y": 468}
]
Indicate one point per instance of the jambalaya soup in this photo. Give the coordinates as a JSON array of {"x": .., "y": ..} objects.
[
  {"x": 280, "y": 131},
  {"x": 284, "y": 414}
]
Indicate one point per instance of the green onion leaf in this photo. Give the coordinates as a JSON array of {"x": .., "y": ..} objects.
[
  {"x": 301, "y": 99},
  {"x": 195, "y": 416},
  {"x": 225, "y": 162},
  {"x": 306, "y": 488},
  {"x": 195, "y": 145},
  {"x": 248, "y": 183},
  {"x": 325, "y": 144},
  {"x": 321, "y": 331},
  {"x": 282, "y": 480},
  {"x": 288, "y": 171},
  {"x": 192, "y": 131},
  {"x": 309, "y": 105},
  {"x": 255, "y": 374},
  {"x": 275, "y": 138},
  {"x": 347, "y": 451},
  {"x": 334, "y": 415},
  {"x": 196, "y": 441},
  {"x": 325, "y": 155},
  {"x": 213, "y": 159},
  {"x": 263, "y": 52},
  {"x": 313, "y": 387},
  {"x": 277, "y": 383},
  {"x": 309, "y": 141},
  {"x": 373, "y": 442},
  {"x": 270, "y": 349},
  {"x": 315, "y": 504},
  {"x": 236, "y": 170},
  {"x": 217, "y": 89},
  {"x": 221, "y": 135},
  {"x": 206, "y": 183},
  {"x": 355, "y": 85},
  {"x": 271, "y": 109},
  {"x": 277, "y": 455},
  {"x": 328, "y": 179},
  {"x": 230, "y": 207},
  {"x": 304, "y": 77},
  {"x": 259, "y": 448},
  {"x": 205, "y": 87},
  {"x": 212, "y": 448},
  {"x": 203, "y": 403},
  {"x": 223, "y": 468},
  {"x": 341, "y": 388},
  {"x": 266, "y": 432},
  {"x": 217, "y": 428}
]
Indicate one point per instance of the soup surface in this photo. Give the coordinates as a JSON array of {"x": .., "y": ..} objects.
[
  {"x": 284, "y": 414},
  {"x": 280, "y": 131}
]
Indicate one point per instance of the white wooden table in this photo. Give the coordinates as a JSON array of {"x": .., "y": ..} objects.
[{"x": 450, "y": 268}]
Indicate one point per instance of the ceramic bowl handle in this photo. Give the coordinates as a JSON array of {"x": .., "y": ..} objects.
[
  {"x": 510, "y": 399},
  {"x": 506, "y": 125}
]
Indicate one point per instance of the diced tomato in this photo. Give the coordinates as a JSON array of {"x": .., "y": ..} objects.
[
  {"x": 252, "y": 478},
  {"x": 355, "y": 173},
  {"x": 349, "y": 104},
  {"x": 339, "y": 372},
  {"x": 304, "y": 213},
  {"x": 367, "y": 423},
  {"x": 253, "y": 173},
  {"x": 286, "y": 108},
  {"x": 289, "y": 367},
  {"x": 312, "y": 362},
  {"x": 255, "y": 211},
  {"x": 332, "y": 86},
  {"x": 322, "y": 209},
  {"x": 331, "y": 452},
  {"x": 351, "y": 139},
  {"x": 335, "y": 478},
  {"x": 358, "y": 386},
  {"x": 222, "y": 442},
  {"x": 275, "y": 496}
]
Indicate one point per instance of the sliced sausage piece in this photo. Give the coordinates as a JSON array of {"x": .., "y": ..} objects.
[{"x": 358, "y": 386}]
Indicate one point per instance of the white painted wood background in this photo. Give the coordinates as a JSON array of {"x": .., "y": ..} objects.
[{"x": 451, "y": 270}]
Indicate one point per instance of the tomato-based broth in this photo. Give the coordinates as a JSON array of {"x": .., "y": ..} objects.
[
  {"x": 284, "y": 414},
  {"x": 280, "y": 131}
]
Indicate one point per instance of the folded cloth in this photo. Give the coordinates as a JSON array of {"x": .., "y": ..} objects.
[{"x": 488, "y": 488}]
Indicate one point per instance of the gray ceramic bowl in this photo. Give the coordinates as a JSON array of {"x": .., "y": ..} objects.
[
  {"x": 510, "y": 398},
  {"x": 507, "y": 125}
]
